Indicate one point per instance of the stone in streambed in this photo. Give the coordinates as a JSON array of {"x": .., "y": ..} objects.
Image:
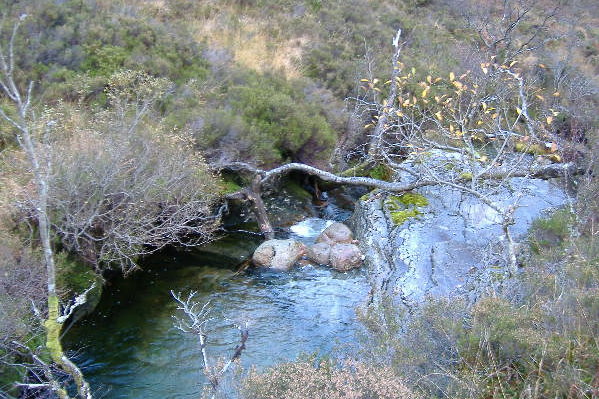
[
  {"x": 320, "y": 253},
  {"x": 344, "y": 257},
  {"x": 336, "y": 233},
  {"x": 279, "y": 254}
]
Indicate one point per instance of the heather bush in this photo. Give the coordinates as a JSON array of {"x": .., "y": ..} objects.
[{"x": 325, "y": 380}]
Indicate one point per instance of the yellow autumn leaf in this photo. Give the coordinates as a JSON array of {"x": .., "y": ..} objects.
[
  {"x": 399, "y": 113},
  {"x": 495, "y": 115},
  {"x": 369, "y": 125},
  {"x": 484, "y": 106},
  {"x": 425, "y": 93},
  {"x": 451, "y": 76},
  {"x": 549, "y": 120},
  {"x": 518, "y": 110},
  {"x": 478, "y": 123},
  {"x": 364, "y": 80},
  {"x": 429, "y": 79},
  {"x": 556, "y": 94},
  {"x": 540, "y": 97},
  {"x": 439, "y": 115}
]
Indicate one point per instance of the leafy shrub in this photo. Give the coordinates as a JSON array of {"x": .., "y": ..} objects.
[{"x": 270, "y": 120}]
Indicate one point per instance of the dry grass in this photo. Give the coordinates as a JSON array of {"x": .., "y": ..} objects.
[{"x": 251, "y": 43}]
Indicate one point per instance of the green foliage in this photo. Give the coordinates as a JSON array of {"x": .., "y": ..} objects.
[
  {"x": 270, "y": 120},
  {"x": 551, "y": 232},
  {"x": 104, "y": 60},
  {"x": 381, "y": 172},
  {"x": 72, "y": 38}
]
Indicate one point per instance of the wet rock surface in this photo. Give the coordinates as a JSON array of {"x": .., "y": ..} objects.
[
  {"x": 455, "y": 247},
  {"x": 334, "y": 247},
  {"x": 278, "y": 254},
  {"x": 320, "y": 253},
  {"x": 336, "y": 233},
  {"x": 344, "y": 257}
]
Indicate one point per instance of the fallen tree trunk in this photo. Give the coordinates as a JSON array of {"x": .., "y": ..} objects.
[{"x": 262, "y": 178}]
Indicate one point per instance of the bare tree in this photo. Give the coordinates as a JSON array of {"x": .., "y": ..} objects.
[
  {"x": 124, "y": 186},
  {"x": 471, "y": 132},
  {"x": 195, "y": 321},
  {"x": 28, "y": 132},
  {"x": 501, "y": 26}
]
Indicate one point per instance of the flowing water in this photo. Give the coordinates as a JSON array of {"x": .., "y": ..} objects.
[{"x": 128, "y": 348}]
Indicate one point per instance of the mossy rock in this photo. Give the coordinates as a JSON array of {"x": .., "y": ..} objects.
[
  {"x": 379, "y": 171},
  {"x": 73, "y": 277},
  {"x": 404, "y": 207},
  {"x": 296, "y": 190}
]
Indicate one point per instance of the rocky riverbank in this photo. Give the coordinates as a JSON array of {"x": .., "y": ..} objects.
[{"x": 451, "y": 246}]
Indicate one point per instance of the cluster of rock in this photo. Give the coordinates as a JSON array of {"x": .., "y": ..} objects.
[{"x": 334, "y": 247}]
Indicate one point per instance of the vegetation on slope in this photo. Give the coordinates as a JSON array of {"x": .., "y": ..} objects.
[{"x": 275, "y": 81}]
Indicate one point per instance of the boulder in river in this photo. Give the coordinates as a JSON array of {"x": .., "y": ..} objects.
[
  {"x": 344, "y": 257},
  {"x": 320, "y": 253},
  {"x": 336, "y": 233},
  {"x": 279, "y": 254}
]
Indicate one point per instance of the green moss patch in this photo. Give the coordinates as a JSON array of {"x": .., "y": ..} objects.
[
  {"x": 381, "y": 172},
  {"x": 229, "y": 187},
  {"x": 73, "y": 276},
  {"x": 405, "y": 206}
]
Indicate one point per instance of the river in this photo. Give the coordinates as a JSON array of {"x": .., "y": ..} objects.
[{"x": 129, "y": 348}]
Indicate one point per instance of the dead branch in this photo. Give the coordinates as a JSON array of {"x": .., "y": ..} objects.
[{"x": 195, "y": 321}]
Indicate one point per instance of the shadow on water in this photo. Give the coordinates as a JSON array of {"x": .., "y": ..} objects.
[{"x": 128, "y": 348}]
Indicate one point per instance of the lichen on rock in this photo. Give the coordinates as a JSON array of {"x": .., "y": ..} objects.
[{"x": 405, "y": 206}]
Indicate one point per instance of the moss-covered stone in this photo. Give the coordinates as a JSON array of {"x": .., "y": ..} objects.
[
  {"x": 73, "y": 276},
  {"x": 405, "y": 206},
  {"x": 466, "y": 176},
  {"x": 399, "y": 217},
  {"x": 296, "y": 190},
  {"x": 413, "y": 199}
]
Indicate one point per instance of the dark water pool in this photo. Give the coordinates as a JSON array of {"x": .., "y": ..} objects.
[{"x": 128, "y": 348}]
